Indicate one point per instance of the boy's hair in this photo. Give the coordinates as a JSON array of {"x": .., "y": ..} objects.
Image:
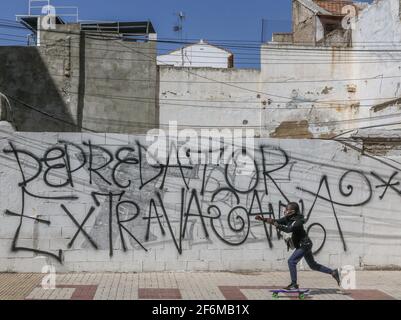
[{"x": 293, "y": 206}]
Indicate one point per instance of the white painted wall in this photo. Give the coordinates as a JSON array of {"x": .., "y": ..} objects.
[
  {"x": 196, "y": 55},
  {"x": 209, "y": 98},
  {"x": 316, "y": 84},
  {"x": 379, "y": 28},
  {"x": 370, "y": 225},
  {"x": 334, "y": 90}
]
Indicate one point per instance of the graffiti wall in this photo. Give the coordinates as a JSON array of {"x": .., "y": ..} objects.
[{"x": 94, "y": 202}]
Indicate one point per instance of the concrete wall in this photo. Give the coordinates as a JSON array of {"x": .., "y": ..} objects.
[
  {"x": 27, "y": 75},
  {"x": 301, "y": 91},
  {"x": 355, "y": 219},
  {"x": 303, "y": 24},
  {"x": 210, "y": 98},
  {"x": 87, "y": 81},
  {"x": 333, "y": 89},
  {"x": 121, "y": 86}
]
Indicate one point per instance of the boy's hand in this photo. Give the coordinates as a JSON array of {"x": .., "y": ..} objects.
[{"x": 270, "y": 220}]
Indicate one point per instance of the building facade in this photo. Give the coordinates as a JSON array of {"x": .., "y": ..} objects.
[
  {"x": 335, "y": 72},
  {"x": 82, "y": 77}
]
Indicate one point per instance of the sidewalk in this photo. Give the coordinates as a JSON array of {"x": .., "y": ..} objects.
[{"x": 200, "y": 285}]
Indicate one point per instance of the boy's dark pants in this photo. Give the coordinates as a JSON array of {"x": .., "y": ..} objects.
[{"x": 307, "y": 254}]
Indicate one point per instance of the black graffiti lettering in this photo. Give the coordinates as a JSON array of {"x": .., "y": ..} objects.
[
  {"x": 194, "y": 196},
  {"x": 387, "y": 184},
  {"x": 220, "y": 187},
  {"x": 324, "y": 236},
  {"x": 324, "y": 181},
  {"x": 109, "y": 196},
  {"x": 152, "y": 206},
  {"x": 230, "y": 220},
  {"x": 302, "y": 206},
  {"x": 255, "y": 178},
  {"x": 272, "y": 214},
  {"x": 49, "y": 197},
  {"x": 82, "y": 154},
  {"x": 282, "y": 205},
  {"x": 15, "y": 247},
  {"x": 16, "y": 153},
  {"x": 267, "y": 173},
  {"x": 350, "y": 189},
  {"x": 203, "y": 180},
  {"x": 229, "y": 191},
  {"x": 96, "y": 170},
  {"x": 50, "y": 167},
  {"x": 10, "y": 213},
  {"x": 179, "y": 165},
  {"x": 121, "y": 226},
  {"x": 277, "y": 186},
  {"x": 127, "y": 160},
  {"x": 80, "y": 226},
  {"x": 158, "y": 166},
  {"x": 178, "y": 244},
  {"x": 261, "y": 212}
]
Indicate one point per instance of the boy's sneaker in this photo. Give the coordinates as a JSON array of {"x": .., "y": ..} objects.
[
  {"x": 336, "y": 276},
  {"x": 292, "y": 286}
]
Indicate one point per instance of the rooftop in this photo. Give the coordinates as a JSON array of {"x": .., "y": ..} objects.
[
  {"x": 333, "y": 6},
  {"x": 124, "y": 28}
]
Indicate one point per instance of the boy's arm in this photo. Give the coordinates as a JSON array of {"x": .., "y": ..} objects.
[{"x": 282, "y": 220}]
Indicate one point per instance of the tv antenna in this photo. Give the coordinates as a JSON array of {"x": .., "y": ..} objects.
[{"x": 179, "y": 26}]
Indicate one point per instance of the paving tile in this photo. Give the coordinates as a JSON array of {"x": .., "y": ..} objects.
[
  {"x": 383, "y": 285},
  {"x": 164, "y": 293}
]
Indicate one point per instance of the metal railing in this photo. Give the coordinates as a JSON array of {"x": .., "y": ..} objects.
[{"x": 38, "y": 8}]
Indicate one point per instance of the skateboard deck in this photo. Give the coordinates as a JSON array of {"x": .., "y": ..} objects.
[{"x": 302, "y": 293}]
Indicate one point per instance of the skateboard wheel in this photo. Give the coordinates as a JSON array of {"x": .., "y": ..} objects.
[
  {"x": 275, "y": 295},
  {"x": 302, "y": 296}
]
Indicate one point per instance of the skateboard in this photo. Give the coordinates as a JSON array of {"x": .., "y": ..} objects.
[{"x": 302, "y": 293}]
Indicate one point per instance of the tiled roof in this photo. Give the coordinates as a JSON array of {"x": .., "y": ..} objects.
[{"x": 333, "y": 6}]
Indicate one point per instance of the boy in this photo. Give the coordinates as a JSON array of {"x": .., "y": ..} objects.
[{"x": 293, "y": 221}]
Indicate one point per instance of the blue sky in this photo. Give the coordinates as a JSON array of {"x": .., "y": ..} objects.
[
  {"x": 206, "y": 19},
  {"x": 225, "y": 19}
]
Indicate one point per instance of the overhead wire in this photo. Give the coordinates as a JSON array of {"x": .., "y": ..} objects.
[{"x": 226, "y": 83}]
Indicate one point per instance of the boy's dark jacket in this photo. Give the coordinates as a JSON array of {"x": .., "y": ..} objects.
[{"x": 295, "y": 224}]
